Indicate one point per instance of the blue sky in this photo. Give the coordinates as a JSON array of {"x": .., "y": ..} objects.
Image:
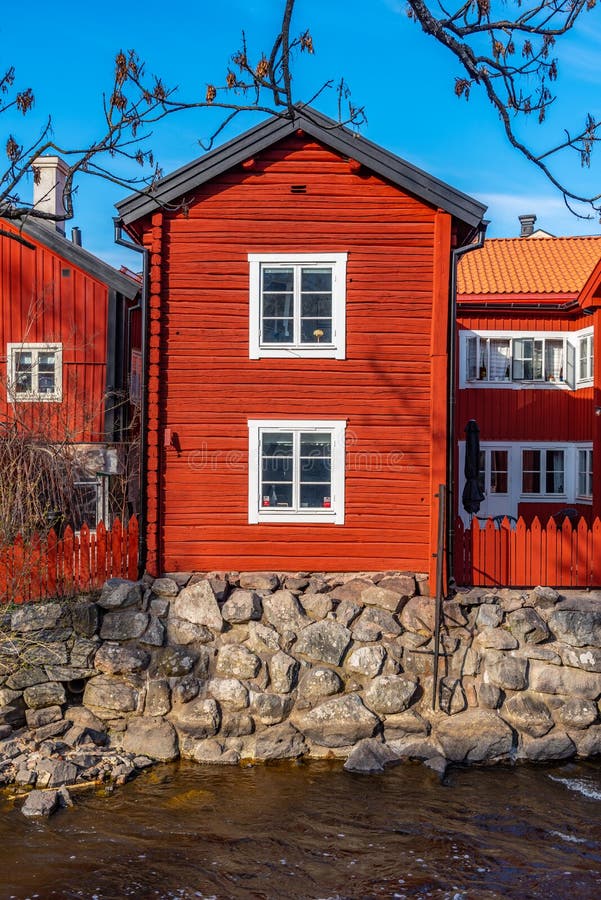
[{"x": 403, "y": 78}]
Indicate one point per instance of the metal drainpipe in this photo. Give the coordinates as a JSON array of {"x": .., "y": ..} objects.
[
  {"x": 130, "y": 245},
  {"x": 450, "y": 504}
]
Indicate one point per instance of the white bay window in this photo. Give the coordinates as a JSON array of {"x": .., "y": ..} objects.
[{"x": 515, "y": 359}]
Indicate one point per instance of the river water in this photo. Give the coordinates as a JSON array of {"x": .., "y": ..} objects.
[{"x": 313, "y": 831}]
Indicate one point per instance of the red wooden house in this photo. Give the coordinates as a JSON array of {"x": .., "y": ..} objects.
[
  {"x": 299, "y": 286},
  {"x": 63, "y": 325},
  {"x": 529, "y": 373}
]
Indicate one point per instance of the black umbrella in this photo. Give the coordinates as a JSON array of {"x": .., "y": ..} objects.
[{"x": 472, "y": 495}]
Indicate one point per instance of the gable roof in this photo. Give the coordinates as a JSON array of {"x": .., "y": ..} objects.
[
  {"x": 380, "y": 161},
  {"x": 85, "y": 260},
  {"x": 524, "y": 266}
]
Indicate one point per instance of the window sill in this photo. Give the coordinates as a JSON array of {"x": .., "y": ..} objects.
[
  {"x": 331, "y": 517},
  {"x": 299, "y": 352},
  {"x": 35, "y": 398},
  {"x": 520, "y": 385}
]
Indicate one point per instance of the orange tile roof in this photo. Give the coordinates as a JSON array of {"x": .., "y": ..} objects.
[{"x": 529, "y": 266}]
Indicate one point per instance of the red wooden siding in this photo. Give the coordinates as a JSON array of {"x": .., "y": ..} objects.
[
  {"x": 44, "y": 298},
  {"x": 529, "y": 555},
  {"x": 526, "y": 414},
  {"x": 204, "y": 387}
]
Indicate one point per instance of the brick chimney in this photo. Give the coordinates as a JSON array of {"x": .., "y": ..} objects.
[
  {"x": 48, "y": 189},
  {"x": 527, "y": 223}
]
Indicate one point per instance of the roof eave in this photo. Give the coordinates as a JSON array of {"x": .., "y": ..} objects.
[{"x": 383, "y": 163}]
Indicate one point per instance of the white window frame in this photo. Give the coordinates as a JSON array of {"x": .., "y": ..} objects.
[
  {"x": 543, "y": 449},
  {"x": 334, "y": 514},
  {"x": 587, "y": 338},
  {"x": 571, "y": 378},
  {"x": 334, "y": 350},
  {"x": 100, "y": 482},
  {"x": 34, "y": 396},
  {"x": 588, "y": 449}
]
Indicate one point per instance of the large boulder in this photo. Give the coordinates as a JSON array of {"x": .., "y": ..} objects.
[
  {"x": 200, "y": 718},
  {"x": 370, "y": 757},
  {"x": 39, "y": 696},
  {"x": 588, "y": 658},
  {"x": 576, "y": 713},
  {"x": 229, "y": 692},
  {"x": 555, "y": 745},
  {"x": 390, "y": 694},
  {"x": 326, "y": 641},
  {"x": 284, "y": 612},
  {"x": 41, "y": 803},
  {"x": 418, "y": 615},
  {"x": 382, "y": 597},
  {"x": 283, "y": 670},
  {"x": 242, "y": 606},
  {"x": 351, "y": 590},
  {"x": 270, "y": 709},
  {"x": 577, "y": 621},
  {"x": 339, "y": 722},
  {"x": 115, "y": 659},
  {"x": 237, "y": 661},
  {"x": 35, "y": 616},
  {"x": 197, "y": 604},
  {"x": 109, "y": 694},
  {"x": 508, "y": 672},
  {"x": 259, "y": 581},
  {"x": 118, "y": 593},
  {"x": 152, "y": 737},
  {"x": 366, "y": 660},
  {"x": 563, "y": 680},
  {"x": 475, "y": 736},
  {"x": 279, "y": 742},
  {"x": 317, "y": 683},
  {"x": 528, "y": 713},
  {"x": 124, "y": 625},
  {"x": 526, "y": 625}
]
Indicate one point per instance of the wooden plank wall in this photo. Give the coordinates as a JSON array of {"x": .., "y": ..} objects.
[
  {"x": 44, "y": 298},
  {"x": 208, "y": 388}
]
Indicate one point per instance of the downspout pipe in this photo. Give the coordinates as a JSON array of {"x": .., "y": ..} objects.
[
  {"x": 456, "y": 255},
  {"x": 143, "y": 466}
]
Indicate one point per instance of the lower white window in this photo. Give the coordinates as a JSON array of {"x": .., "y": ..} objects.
[
  {"x": 296, "y": 470},
  {"x": 585, "y": 473},
  {"x": 90, "y": 502},
  {"x": 34, "y": 372}
]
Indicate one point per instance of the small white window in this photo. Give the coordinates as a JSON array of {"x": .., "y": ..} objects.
[
  {"x": 34, "y": 372},
  {"x": 90, "y": 502},
  {"x": 517, "y": 360},
  {"x": 585, "y": 473},
  {"x": 543, "y": 471},
  {"x": 585, "y": 358},
  {"x": 296, "y": 471},
  {"x": 297, "y": 305}
]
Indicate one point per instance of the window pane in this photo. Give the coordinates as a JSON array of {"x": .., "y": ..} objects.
[
  {"x": 23, "y": 372},
  {"x": 315, "y": 444},
  {"x": 583, "y": 369},
  {"x": 277, "y": 443},
  {"x": 554, "y": 472},
  {"x": 498, "y": 471},
  {"x": 482, "y": 472},
  {"x": 316, "y": 331},
  {"x": 499, "y": 359},
  {"x": 315, "y": 469},
  {"x": 277, "y": 305},
  {"x": 316, "y": 279},
  {"x": 316, "y": 496},
  {"x": 483, "y": 360},
  {"x": 472, "y": 357},
  {"x": 276, "y": 495},
  {"x": 277, "y": 468},
  {"x": 317, "y": 305},
  {"x": 276, "y": 279},
  {"x": 46, "y": 383},
  {"x": 554, "y": 362},
  {"x": 531, "y": 471},
  {"x": 278, "y": 331}
]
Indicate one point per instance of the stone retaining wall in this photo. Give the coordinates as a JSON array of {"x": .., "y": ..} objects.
[{"x": 261, "y": 666}]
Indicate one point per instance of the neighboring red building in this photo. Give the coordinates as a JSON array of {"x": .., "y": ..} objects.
[
  {"x": 297, "y": 356},
  {"x": 63, "y": 329},
  {"x": 529, "y": 373}
]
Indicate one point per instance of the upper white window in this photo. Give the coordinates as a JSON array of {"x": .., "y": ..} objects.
[
  {"x": 585, "y": 357},
  {"x": 297, "y": 305},
  {"x": 296, "y": 471},
  {"x": 515, "y": 359},
  {"x": 35, "y": 372}
]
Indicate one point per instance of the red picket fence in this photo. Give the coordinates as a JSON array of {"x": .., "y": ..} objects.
[
  {"x": 61, "y": 566},
  {"x": 526, "y": 555}
]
